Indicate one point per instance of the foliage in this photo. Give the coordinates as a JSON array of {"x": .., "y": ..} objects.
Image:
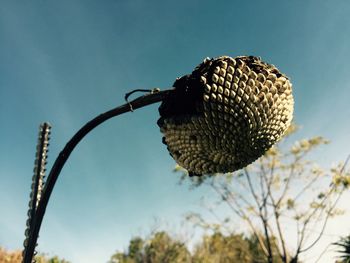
[
  {"x": 214, "y": 248},
  {"x": 226, "y": 249},
  {"x": 159, "y": 248},
  {"x": 282, "y": 190},
  {"x": 7, "y": 256},
  {"x": 16, "y": 257},
  {"x": 344, "y": 246}
]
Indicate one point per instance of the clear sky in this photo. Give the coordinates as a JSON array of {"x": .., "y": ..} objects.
[{"x": 67, "y": 61}]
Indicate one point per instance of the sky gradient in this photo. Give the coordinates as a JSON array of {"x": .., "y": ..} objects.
[{"x": 67, "y": 61}]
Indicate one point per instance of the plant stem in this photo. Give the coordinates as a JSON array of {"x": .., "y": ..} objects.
[{"x": 65, "y": 153}]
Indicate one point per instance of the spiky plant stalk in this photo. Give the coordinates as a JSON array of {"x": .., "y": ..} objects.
[{"x": 38, "y": 178}]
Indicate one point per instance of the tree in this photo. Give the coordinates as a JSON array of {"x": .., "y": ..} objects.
[
  {"x": 213, "y": 248},
  {"x": 218, "y": 248},
  {"x": 160, "y": 248},
  {"x": 344, "y": 245},
  {"x": 282, "y": 188}
]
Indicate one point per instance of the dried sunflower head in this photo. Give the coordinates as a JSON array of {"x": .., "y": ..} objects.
[{"x": 226, "y": 114}]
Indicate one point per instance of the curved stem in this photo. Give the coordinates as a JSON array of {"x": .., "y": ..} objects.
[{"x": 65, "y": 153}]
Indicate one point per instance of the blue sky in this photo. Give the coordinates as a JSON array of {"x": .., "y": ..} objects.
[{"x": 67, "y": 61}]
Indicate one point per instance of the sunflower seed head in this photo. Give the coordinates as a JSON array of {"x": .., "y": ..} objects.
[{"x": 226, "y": 114}]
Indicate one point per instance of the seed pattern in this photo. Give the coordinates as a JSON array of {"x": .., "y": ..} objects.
[{"x": 226, "y": 114}]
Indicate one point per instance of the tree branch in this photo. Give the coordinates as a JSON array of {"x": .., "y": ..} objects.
[
  {"x": 240, "y": 212},
  {"x": 324, "y": 223},
  {"x": 252, "y": 191},
  {"x": 306, "y": 187},
  {"x": 276, "y": 212},
  {"x": 262, "y": 217},
  {"x": 307, "y": 220}
]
